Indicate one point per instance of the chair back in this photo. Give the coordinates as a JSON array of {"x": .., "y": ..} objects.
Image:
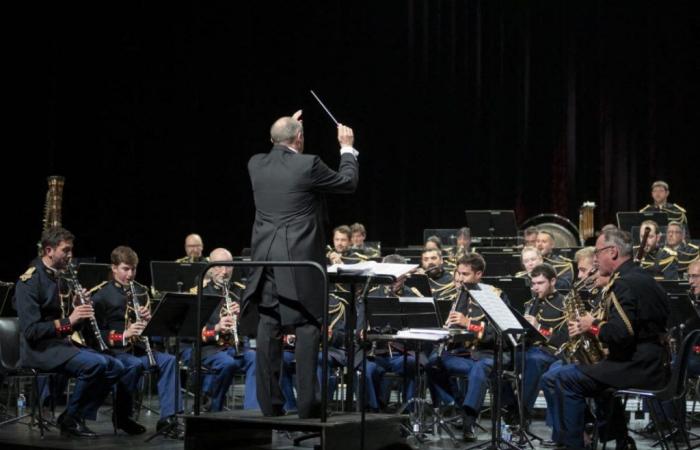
[
  {"x": 9, "y": 343},
  {"x": 677, "y": 385}
]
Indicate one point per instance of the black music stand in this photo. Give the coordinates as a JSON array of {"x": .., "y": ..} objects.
[
  {"x": 92, "y": 274},
  {"x": 176, "y": 316},
  {"x": 502, "y": 263},
  {"x": 492, "y": 224},
  {"x": 6, "y": 306},
  {"x": 505, "y": 324},
  {"x": 628, "y": 219},
  {"x": 170, "y": 276},
  {"x": 419, "y": 283}
]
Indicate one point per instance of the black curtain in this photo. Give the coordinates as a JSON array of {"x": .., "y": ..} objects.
[{"x": 153, "y": 109}]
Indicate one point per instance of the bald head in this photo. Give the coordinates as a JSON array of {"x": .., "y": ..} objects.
[
  {"x": 221, "y": 273},
  {"x": 220, "y": 254},
  {"x": 287, "y": 131},
  {"x": 193, "y": 246}
]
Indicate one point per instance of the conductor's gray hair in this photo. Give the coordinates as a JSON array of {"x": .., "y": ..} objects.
[{"x": 285, "y": 130}]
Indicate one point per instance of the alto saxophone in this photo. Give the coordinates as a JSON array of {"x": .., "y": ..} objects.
[{"x": 583, "y": 348}]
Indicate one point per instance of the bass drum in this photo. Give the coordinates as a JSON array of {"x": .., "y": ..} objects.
[{"x": 564, "y": 231}]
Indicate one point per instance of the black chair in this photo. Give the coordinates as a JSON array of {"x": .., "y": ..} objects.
[
  {"x": 9, "y": 359},
  {"x": 674, "y": 392}
]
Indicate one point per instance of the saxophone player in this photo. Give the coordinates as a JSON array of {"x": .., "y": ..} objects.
[
  {"x": 636, "y": 315},
  {"x": 45, "y": 327},
  {"x": 474, "y": 361},
  {"x": 218, "y": 343},
  {"x": 121, "y": 331}
]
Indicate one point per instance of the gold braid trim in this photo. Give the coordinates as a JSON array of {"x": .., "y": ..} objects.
[{"x": 622, "y": 314}]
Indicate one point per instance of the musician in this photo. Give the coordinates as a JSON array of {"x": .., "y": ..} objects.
[
  {"x": 530, "y": 237},
  {"x": 659, "y": 194},
  {"x": 686, "y": 252},
  {"x": 659, "y": 261},
  {"x": 474, "y": 360},
  {"x": 219, "y": 353},
  {"x": 45, "y": 327},
  {"x": 694, "y": 278},
  {"x": 341, "y": 245},
  {"x": 563, "y": 266},
  {"x": 637, "y": 311},
  {"x": 441, "y": 283},
  {"x": 546, "y": 312},
  {"x": 194, "y": 247},
  {"x": 387, "y": 356},
  {"x": 358, "y": 236},
  {"x": 530, "y": 258},
  {"x": 288, "y": 187},
  {"x": 114, "y": 311},
  {"x": 433, "y": 242}
]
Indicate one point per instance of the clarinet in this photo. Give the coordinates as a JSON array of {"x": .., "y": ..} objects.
[
  {"x": 458, "y": 297},
  {"x": 135, "y": 301},
  {"x": 229, "y": 310},
  {"x": 77, "y": 288}
]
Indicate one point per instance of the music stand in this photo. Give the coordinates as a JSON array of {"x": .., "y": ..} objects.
[
  {"x": 492, "y": 224},
  {"x": 6, "y": 307},
  {"x": 419, "y": 283},
  {"x": 170, "y": 276},
  {"x": 176, "y": 316},
  {"x": 502, "y": 263},
  {"x": 92, "y": 274},
  {"x": 517, "y": 289},
  {"x": 628, "y": 219},
  {"x": 505, "y": 324}
]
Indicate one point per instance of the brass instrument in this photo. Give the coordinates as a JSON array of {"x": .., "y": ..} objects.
[
  {"x": 144, "y": 339},
  {"x": 583, "y": 348},
  {"x": 230, "y": 337},
  {"x": 73, "y": 282}
]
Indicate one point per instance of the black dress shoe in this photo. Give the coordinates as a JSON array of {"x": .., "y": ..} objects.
[
  {"x": 173, "y": 428},
  {"x": 130, "y": 427},
  {"x": 548, "y": 443},
  {"x": 468, "y": 434},
  {"x": 73, "y": 427}
]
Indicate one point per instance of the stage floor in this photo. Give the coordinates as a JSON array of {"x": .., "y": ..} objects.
[{"x": 20, "y": 436}]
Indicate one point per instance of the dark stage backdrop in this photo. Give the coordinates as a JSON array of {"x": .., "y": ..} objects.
[{"x": 152, "y": 109}]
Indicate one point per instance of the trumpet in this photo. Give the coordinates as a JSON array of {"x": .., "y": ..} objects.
[
  {"x": 228, "y": 310},
  {"x": 144, "y": 339},
  {"x": 73, "y": 282}
]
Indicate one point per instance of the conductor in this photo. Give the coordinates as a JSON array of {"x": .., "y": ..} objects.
[{"x": 287, "y": 188}]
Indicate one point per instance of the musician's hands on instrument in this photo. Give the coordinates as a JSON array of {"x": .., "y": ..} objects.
[
  {"x": 580, "y": 326},
  {"x": 145, "y": 313},
  {"x": 457, "y": 318},
  {"x": 135, "y": 329},
  {"x": 532, "y": 320},
  {"x": 224, "y": 325},
  {"x": 81, "y": 312},
  {"x": 235, "y": 308},
  {"x": 345, "y": 136},
  {"x": 335, "y": 258}
]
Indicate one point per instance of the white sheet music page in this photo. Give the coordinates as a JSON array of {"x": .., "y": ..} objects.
[
  {"x": 373, "y": 268},
  {"x": 496, "y": 309}
]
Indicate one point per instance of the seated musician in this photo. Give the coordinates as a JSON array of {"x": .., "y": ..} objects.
[
  {"x": 222, "y": 353},
  {"x": 563, "y": 266},
  {"x": 530, "y": 237},
  {"x": 386, "y": 356},
  {"x": 694, "y": 278},
  {"x": 342, "y": 253},
  {"x": 433, "y": 242},
  {"x": 194, "y": 247},
  {"x": 473, "y": 360},
  {"x": 545, "y": 311},
  {"x": 337, "y": 356},
  {"x": 658, "y": 260},
  {"x": 462, "y": 246},
  {"x": 659, "y": 195},
  {"x": 46, "y": 323},
  {"x": 686, "y": 252},
  {"x": 116, "y": 316},
  {"x": 441, "y": 284},
  {"x": 530, "y": 258},
  {"x": 358, "y": 236},
  {"x": 635, "y": 320}
]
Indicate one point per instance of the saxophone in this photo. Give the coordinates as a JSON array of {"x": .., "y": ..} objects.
[{"x": 583, "y": 348}]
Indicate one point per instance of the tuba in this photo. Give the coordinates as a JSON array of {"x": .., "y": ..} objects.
[{"x": 583, "y": 348}]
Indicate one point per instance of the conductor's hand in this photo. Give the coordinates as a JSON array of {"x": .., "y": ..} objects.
[
  {"x": 345, "y": 136},
  {"x": 135, "y": 329},
  {"x": 225, "y": 324},
  {"x": 81, "y": 312},
  {"x": 297, "y": 115}
]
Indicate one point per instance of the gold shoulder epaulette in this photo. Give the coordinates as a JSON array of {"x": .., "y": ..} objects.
[
  {"x": 193, "y": 290},
  {"x": 97, "y": 287},
  {"x": 680, "y": 207},
  {"x": 28, "y": 274},
  {"x": 645, "y": 208},
  {"x": 691, "y": 245},
  {"x": 183, "y": 259},
  {"x": 670, "y": 251},
  {"x": 239, "y": 284}
]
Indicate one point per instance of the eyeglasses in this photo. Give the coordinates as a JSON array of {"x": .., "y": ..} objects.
[
  {"x": 693, "y": 275},
  {"x": 598, "y": 250}
]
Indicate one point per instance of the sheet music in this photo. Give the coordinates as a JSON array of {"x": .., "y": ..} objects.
[
  {"x": 496, "y": 309},
  {"x": 373, "y": 268}
]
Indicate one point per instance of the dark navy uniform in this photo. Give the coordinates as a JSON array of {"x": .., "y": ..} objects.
[
  {"x": 674, "y": 211},
  {"x": 45, "y": 343},
  {"x": 660, "y": 263},
  {"x": 564, "y": 268},
  {"x": 219, "y": 355},
  {"x": 686, "y": 253},
  {"x": 442, "y": 285},
  {"x": 637, "y": 311},
  {"x": 112, "y": 305}
]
